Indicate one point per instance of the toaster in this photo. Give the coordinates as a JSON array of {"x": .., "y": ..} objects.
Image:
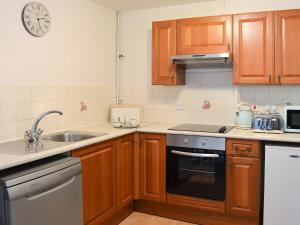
[{"x": 267, "y": 123}]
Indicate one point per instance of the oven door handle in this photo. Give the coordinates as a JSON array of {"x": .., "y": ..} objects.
[{"x": 199, "y": 155}]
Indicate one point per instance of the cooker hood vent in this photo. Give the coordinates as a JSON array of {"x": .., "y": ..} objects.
[{"x": 203, "y": 61}]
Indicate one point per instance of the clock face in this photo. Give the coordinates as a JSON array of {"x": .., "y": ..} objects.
[{"x": 36, "y": 19}]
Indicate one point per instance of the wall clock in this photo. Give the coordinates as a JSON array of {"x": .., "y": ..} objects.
[{"x": 36, "y": 19}]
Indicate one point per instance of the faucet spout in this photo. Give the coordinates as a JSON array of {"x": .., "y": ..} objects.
[
  {"x": 40, "y": 117},
  {"x": 34, "y": 133}
]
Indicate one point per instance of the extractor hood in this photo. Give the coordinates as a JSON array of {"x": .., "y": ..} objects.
[{"x": 205, "y": 61}]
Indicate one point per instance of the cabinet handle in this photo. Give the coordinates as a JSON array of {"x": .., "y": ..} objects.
[
  {"x": 247, "y": 149},
  {"x": 270, "y": 79},
  {"x": 228, "y": 46},
  {"x": 279, "y": 79}
]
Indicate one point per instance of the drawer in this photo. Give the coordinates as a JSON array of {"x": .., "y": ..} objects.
[{"x": 246, "y": 148}]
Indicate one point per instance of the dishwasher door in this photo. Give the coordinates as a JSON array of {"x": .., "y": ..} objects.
[
  {"x": 54, "y": 199},
  {"x": 282, "y": 186}
]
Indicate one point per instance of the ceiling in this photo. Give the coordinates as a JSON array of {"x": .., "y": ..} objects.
[{"x": 127, "y": 5}]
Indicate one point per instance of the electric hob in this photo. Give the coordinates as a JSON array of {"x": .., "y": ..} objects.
[{"x": 203, "y": 128}]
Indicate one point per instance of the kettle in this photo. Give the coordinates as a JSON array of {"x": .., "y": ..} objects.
[{"x": 244, "y": 116}]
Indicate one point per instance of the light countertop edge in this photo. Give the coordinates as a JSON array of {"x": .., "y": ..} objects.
[{"x": 9, "y": 160}]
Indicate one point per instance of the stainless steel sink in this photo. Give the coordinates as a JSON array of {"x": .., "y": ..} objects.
[{"x": 72, "y": 136}]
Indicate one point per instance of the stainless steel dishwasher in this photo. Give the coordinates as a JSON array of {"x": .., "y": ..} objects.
[{"x": 44, "y": 193}]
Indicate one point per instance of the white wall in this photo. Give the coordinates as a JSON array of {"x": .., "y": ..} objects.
[
  {"x": 158, "y": 101},
  {"x": 72, "y": 63},
  {"x": 78, "y": 50}
]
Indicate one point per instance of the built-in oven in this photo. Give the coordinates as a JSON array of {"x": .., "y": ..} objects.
[{"x": 196, "y": 166}]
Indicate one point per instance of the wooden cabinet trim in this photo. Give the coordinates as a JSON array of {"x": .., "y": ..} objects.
[
  {"x": 240, "y": 147},
  {"x": 197, "y": 203}
]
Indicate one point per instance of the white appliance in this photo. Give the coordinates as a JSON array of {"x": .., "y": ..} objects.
[
  {"x": 126, "y": 116},
  {"x": 243, "y": 117},
  {"x": 291, "y": 116},
  {"x": 46, "y": 192},
  {"x": 282, "y": 185}
]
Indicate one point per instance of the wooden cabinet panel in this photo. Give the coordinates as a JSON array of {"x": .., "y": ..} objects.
[
  {"x": 125, "y": 170},
  {"x": 245, "y": 148},
  {"x": 204, "y": 35},
  {"x": 253, "y": 48},
  {"x": 99, "y": 191},
  {"x": 153, "y": 167},
  {"x": 287, "y": 46},
  {"x": 164, "y": 72},
  {"x": 243, "y": 186}
]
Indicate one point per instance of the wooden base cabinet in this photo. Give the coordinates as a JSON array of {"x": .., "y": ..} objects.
[
  {"x": 99, "y": 177},
  {"x": 153, "y": 167},
  {"x": 125, "y": 165},
  {"x": 243, "y": 178},
  {"x": 107, "y": 171}
]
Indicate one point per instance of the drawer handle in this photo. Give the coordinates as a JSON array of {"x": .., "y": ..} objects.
[{"x": 247, "y": 149}]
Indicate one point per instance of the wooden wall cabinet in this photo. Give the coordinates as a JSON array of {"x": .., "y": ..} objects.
[
  {"x": 164, "y": 72},
  {"x": 153, "y": 167},
  {"x": 243, "y": 178},
  {"x": 204, "y": 35},
  {"x": 99, "y": 177},
  {"x": 253, "y": 48},
  {"x": 287, "y": 46}
]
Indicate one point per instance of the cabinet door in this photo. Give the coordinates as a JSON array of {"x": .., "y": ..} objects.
[
  {"x": 125, "y": 170},
  {"x": 153, "y": 167},
  {"x": 243, "y": 186},
  {"x": 204, "y": 35},
  {"x": 287, "y": 46},
  {"x": 99, "y": 193},
  {"x": 164, "y": 72},
  {"x": 253, "y": 48}
]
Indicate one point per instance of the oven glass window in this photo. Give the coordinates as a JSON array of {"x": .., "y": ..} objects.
[
  {"x": 196, "y": 176},
  {"x": 293, "y": 119}
]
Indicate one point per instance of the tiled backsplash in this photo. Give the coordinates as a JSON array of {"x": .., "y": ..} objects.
[
  {"x": 19, "y": 105},
  {"x": 159, "y": 104}
]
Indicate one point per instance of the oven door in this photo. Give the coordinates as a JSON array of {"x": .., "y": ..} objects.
[{"x": 196, "y": 172}]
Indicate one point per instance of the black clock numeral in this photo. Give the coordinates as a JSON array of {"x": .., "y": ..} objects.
[
  {"x": 46, "y": 27},
  {"x": 32, "y": 28},
  {"x": 27, "y": 17},
  {"x": 28, "y": 23},
  {"x": 47, "y": 21}
]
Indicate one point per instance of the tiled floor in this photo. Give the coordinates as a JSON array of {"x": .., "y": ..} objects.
[{"x": 145, "y": 219}]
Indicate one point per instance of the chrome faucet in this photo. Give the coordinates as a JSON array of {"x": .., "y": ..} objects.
[{"x": 33, "y": 134}]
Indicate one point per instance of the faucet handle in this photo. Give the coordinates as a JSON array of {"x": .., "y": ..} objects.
[{"x": 39, "y": 131}]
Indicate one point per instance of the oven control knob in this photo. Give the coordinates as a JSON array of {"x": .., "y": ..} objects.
[
  {"x": 203, "y": 142},
  {"x": 185, "y": 140}
]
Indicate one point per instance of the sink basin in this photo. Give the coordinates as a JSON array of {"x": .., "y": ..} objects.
[{"x": 71, "y": 136}]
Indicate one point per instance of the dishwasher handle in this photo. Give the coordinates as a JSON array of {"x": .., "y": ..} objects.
[
  {"x": 49, "y": 190},
  {"x": 43, "y": 185}
]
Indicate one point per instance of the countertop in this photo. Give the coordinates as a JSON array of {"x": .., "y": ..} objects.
[
  {"x": 12, "y": 153},
  {"x": 234, "y": 133}
]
